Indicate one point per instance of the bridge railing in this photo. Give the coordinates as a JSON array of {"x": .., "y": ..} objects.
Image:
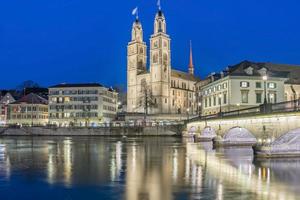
[{"x": 288, "y": 106}]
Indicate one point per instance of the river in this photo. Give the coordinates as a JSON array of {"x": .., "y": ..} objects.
[{"x": 142, "y": 168}]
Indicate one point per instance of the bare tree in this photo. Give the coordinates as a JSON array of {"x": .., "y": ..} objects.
[{"x": 146, "y": 100}]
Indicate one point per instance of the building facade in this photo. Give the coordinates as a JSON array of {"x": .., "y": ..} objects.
[
  {"x": 250, "y": 84},
  {"x": 81, "y": 104},
  {"x": 4, "y": 101},
  {"x": 161, "y": 89},
  {"x": 30, "y": 110}
]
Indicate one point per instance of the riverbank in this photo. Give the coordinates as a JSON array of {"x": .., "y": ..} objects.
[{"x": 101, "y": 131}]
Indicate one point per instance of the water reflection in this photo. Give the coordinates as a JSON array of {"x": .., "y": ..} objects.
[{"x": 142, "y": 168}]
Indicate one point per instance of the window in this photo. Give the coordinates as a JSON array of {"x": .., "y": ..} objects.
[
  {"x": 209, "y": 103},
  {"x": 272, "y": 85},
  {"x": 245, "y": 84},
  {"x": 215, "y": 99},
  {"x": 272, "y": 98},
  {"x": 166, "y": 100},
  {"x": 219, "y": 87},
  {"x": 205, "y": 103},
  {"x": 258, "y": 84},
  {"x": 225, "y": 98},
  {"x": 244, "y": 95},
  {"x": 258, "y": 97}
]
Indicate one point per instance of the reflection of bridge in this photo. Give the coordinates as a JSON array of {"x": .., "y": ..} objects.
[
  {"x": 237, "y": 169},
  {"x": 272, "y": 120}
]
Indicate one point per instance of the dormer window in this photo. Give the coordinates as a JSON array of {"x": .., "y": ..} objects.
[
  {"x": 249, "y": 71},
  {"x": 262, "y": 71}
]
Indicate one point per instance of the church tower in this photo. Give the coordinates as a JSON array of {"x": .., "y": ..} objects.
[
  {"x": 136, "y": 64},
  {"x": 160, "y": 64}
]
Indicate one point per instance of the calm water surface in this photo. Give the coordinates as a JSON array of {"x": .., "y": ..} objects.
[{"x": 139, "y": 169}]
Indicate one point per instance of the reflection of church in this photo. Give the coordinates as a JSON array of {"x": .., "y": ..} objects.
[{"x": 161, "y": 89}]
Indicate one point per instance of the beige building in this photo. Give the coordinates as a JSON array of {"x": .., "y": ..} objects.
[
  {"x": 29, "y": 110},
  {"x": 4, "y": 101},
  {"x": 248, "y": 85},
  {"x": 161, "y": 90},
  {"x": 81, "y": 104}
]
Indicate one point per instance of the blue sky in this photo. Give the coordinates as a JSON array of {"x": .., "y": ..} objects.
[{"x": 56, "y": 41}]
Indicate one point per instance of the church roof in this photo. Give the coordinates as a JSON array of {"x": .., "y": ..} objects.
[
  {"x": 184, "y": 75},
  {"x": 292, "y": 72}
]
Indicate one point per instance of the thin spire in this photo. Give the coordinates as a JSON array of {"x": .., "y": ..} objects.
[{"x": 191, "y": 65}]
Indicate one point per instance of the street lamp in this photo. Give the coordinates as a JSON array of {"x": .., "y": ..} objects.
[
  {"x": 220, "y": 103},
  {"x": 199, "y": 109},
  {"x": 265, "y": 79},
  {"x": 187, "y": 111}
]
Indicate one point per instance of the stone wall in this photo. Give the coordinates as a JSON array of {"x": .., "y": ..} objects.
[
  {"x": 273, "y": 125},
  {"x": 105, "y": 131}
]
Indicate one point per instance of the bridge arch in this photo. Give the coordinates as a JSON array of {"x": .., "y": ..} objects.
[
  {"x": 289, "y": 141},
  {"x": 208, "y": 132},
  {"x": 239, "y": 135}
]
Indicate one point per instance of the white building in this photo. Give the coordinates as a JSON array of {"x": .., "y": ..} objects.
[
  {"x": 248, "y": 84},
  {"x": 81, "y": 104},
  {"x": 30, "y": 110},
  {"x": 4, "y": 101},
  {"x": 161, "y": 90}
]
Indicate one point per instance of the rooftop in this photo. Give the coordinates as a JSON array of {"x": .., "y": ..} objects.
[
  {"x": 184, "y": 75},
  {"x": 31, "y": 99},
  {"x": 68, "y": 85},
  {"x": 292, "y": 72}
]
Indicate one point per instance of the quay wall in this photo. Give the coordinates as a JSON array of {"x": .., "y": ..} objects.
[{"x": 103, "y": 131}]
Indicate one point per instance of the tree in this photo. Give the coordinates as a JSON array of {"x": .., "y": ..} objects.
[
  {"x": 27, "y": 84},
  {"x": 146, "y": 100}
]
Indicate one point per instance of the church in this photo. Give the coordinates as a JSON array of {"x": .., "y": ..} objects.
[{"x": 158, "y": 89}]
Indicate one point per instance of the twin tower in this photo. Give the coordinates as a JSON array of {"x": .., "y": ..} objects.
[{"x": 158, "y": 79}]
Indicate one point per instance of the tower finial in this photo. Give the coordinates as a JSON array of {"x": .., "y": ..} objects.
[
  {"x": 191, "y": 64},
  {"x": 159, "y": 5},
  {"x": 136, "y": 13}
]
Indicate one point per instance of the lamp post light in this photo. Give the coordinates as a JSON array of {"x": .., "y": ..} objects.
[
  {"x": 220, "y": 103},
  {"x": 199, "y": 109},
  {"x": 265, "y": 79}
]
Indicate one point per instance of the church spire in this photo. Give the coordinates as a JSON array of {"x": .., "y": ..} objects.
[{"x": 191, "y": 65}]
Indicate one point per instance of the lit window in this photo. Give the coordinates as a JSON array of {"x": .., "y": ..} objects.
[
  {"x": 272, "y": 85},
  {"x": 245, "y": 84}
]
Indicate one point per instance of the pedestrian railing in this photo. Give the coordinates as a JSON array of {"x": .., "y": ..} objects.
[{"x": 288, "y": 106}]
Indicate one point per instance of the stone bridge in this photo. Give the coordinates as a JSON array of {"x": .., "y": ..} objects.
[{"x": 260, "y": 125}]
